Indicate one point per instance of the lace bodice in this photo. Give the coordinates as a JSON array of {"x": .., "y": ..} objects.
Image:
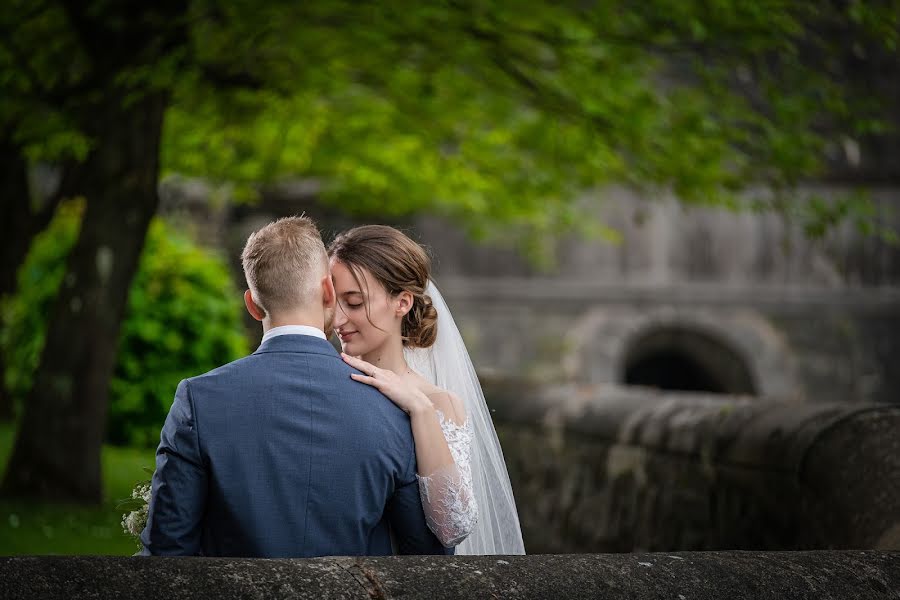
[{"x": 447, "y": 494}]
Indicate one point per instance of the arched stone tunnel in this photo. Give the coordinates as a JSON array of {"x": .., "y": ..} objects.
[{"x": 680, "y": 358}]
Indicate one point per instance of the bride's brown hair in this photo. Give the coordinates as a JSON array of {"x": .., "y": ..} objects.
[{"x": 398, "y": 264}]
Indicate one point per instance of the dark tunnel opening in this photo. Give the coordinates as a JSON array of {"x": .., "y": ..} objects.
[{"x": 680, "y": 359}]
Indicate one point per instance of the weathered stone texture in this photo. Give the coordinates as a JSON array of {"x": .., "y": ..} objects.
[
  {"x": 595, "y": 469},
  {"x": 682, "y": 576}
]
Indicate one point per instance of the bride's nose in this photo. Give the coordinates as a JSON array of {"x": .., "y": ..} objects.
[{"x": 339, "y": 317}]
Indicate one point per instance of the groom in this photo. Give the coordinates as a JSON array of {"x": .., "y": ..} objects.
[{"x": 281, "y": 453}]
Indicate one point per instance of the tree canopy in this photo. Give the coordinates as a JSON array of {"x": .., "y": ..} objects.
[{"x": 492, "y": 112}]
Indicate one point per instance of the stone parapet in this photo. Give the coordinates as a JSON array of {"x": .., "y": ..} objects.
[
  {"x": 604, "y": 469},
  {"x": 734, "y": 575}
]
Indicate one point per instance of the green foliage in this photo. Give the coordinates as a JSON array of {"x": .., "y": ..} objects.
[
  {"x": 183, "y": 318},
  {"x": 24, "y": 316},
  {"x": 495, "y": 115},
  {"x": 481, "y": 111}
]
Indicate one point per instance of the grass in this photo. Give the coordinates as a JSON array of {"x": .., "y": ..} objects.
[{"x": 29, "y": 528}]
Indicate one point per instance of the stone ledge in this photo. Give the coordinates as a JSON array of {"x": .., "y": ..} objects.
[
  {"x": 596, "y": 469},
  {"x": 821, "y": 575}
]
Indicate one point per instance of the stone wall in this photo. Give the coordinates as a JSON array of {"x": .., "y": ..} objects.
[
  {"x": 808, "y": 320},
  {"x": 601, "y": 469},
  {"x": 733, "y": 575},
  {"x": 796, "y": 345},
  {"x": 664, "y": 242}
]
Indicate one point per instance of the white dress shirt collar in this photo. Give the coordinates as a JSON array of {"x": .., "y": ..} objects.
[{"x": 293, "y": 330}]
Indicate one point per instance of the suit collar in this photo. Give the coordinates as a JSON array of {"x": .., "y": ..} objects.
[
  {"x": 306, "y": 344},
  {"x": 294, "y": 330}
]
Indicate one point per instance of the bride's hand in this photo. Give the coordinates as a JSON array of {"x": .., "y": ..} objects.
[{"x": 406, "y": 397}]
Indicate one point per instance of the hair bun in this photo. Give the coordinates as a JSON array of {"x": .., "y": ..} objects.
[{"x": 420, "y": 323}]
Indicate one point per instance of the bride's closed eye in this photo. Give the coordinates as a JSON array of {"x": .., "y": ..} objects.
[{"x": 356, "y": 297}]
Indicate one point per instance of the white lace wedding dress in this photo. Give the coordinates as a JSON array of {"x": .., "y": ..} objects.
[
  {"x": 448, "y": 498},
  {"x": 469, "y": 504}
]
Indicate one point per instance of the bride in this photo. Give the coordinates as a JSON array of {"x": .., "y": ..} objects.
[{"x": 396, "y": 329}]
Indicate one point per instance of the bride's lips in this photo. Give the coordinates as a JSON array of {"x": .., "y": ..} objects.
[{"x": 346, "y": 335}]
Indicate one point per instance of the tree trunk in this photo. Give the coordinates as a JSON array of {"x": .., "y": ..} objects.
[
  {"x": 21, "y": 218},
  {"x": 15, "y": 215},
  {"x": 14, "y": 239},
  {"x": 56, "y": 455}
]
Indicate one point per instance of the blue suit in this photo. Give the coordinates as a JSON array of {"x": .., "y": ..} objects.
[{"x": 281, "y": 454}]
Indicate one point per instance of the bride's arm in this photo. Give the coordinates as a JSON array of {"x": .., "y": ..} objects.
[
  {"x": 448, "y": 496},
  {"x": 446, "y": 488},
  {"x": 432, "y": 450}
]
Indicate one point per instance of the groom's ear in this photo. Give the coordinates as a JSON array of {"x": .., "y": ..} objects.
[
  {"x": 255, "y": 310},
  {"x": 329, "y": 296}
]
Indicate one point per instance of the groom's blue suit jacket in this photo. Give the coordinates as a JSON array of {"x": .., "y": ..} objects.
[{"x": 281, "y": 454}]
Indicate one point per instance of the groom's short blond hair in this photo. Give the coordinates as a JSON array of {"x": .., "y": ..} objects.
[{"x": 284, "y": 263}]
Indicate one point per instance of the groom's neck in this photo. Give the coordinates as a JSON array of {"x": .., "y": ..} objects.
[{"x": 294, "y": 318}]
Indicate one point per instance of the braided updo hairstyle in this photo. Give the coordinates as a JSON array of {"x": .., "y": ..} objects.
[{"x": 397, "y": 263}]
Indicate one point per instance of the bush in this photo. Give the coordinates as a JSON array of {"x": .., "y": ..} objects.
[{"x": 183, "y": 318}]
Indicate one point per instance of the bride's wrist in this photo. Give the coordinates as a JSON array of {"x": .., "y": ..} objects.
[{"x": 422, "y": 406}]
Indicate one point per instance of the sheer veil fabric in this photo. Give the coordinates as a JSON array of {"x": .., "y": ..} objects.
[{"x": 448, "y": 366}]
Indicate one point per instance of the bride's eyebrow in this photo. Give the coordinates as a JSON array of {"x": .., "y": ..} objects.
[{"x": 352, "y": 293}]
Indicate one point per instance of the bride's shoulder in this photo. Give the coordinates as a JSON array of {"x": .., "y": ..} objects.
[{"x": 449, "y": 404}]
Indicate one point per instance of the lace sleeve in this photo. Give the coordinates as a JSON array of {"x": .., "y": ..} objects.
[{"x": 447, "y": 495}]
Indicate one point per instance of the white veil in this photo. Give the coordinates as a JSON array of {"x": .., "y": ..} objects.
[{"x": 447, "y": 365}]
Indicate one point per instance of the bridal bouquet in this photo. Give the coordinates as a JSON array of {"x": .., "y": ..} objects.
[{"x": 134, "y": 521}]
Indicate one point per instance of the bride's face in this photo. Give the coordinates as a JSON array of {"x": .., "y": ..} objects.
[{"x": 360, "y": 333}]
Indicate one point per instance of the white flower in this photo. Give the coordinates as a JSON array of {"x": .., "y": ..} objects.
[{"x": 133, "y": 523}]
